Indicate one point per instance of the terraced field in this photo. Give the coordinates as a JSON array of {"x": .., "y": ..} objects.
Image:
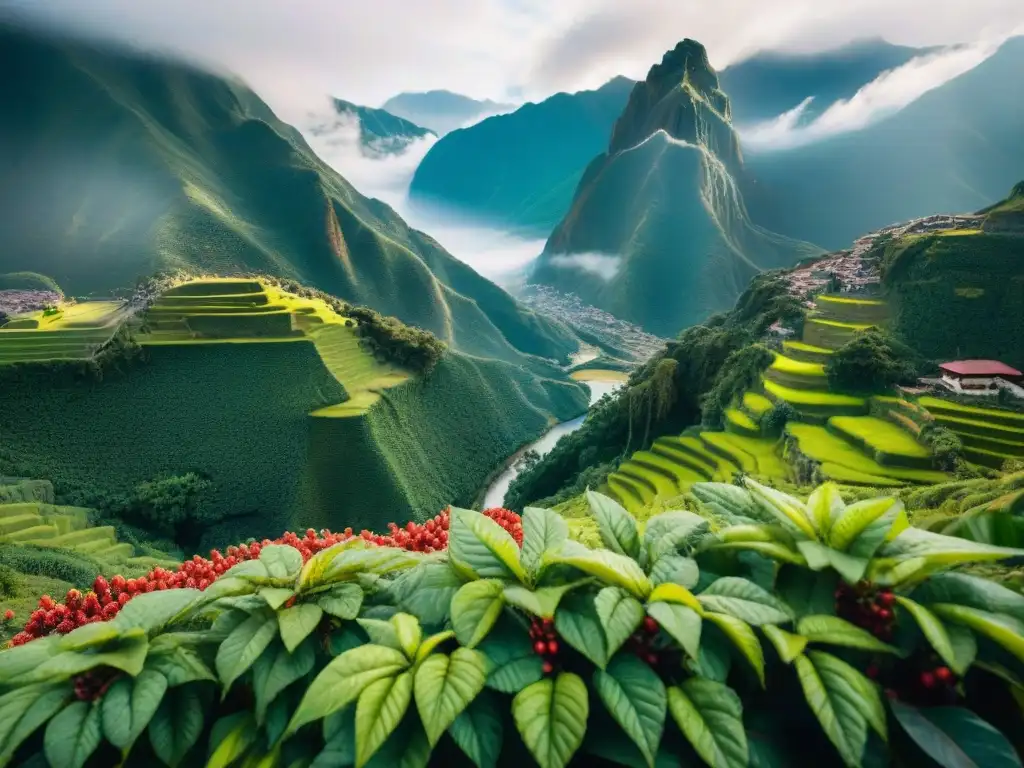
[
  {"x": 886, "y": 442},
  {"x": 798, "y": 350},
  {"x": 990, "y": 436},
  {"x": 75, "y": 333},
  {"x": 852, "y": 309},
  {"x": 817, "y": 403},
  {"x": 822, "y": 332}
]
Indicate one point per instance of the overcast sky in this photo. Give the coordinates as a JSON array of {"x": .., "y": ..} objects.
[{"x": 367, "y": 50}]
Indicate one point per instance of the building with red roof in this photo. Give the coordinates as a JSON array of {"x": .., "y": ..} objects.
[{"x": 978, "y": 377}]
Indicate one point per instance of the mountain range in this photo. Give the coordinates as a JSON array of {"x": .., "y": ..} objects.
[
  {"x": 441, "y": 111},
  {"x": 378, "y": 133},
  {"x": 119, "y": 166}
]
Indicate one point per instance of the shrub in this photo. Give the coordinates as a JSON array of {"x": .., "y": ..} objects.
[
  {"x": 64, "y": 564},
  {"x": 675, "y": 642},
  {"x": 871, "y": 362},
  {"x": 742, "y": 370},
  {"x": 774, "y": 420},
  {"x": 393, "y": 340},
  {"x": 944, "y": 443},
  {"x": 9, "y": 580}
]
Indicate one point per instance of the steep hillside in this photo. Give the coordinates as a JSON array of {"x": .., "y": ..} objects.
[
  {"x": 275, "y": 400},
  {"x": 658, "y": 233},
  {"x": 117, "y": 166},
  {"x": 956, "y": 148},
  {"x": 379, "y": 132},
  {"x": 519, "y": 170},
  {"x": 441, "y": 111},
  {"x": 769, "y": 84}
]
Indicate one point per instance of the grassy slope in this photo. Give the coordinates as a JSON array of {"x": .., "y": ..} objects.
[{"x": 174, "y": 168}]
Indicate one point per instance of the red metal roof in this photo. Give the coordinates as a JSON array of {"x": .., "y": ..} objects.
[{"x": 980, "y": 368}]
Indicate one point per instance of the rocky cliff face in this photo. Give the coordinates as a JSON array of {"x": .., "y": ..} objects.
[{"x": 658, "y": 232}]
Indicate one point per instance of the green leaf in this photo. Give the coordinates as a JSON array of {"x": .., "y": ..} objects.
[
  {"x": 676, "y": 569},
  {"x": 787, "y": 510},
  {"x": 408, "y": 632},
  {"x": 836, "y": 631},
  {"x": 879, "y": 531},
  {"x": 609, "y": 567},
  {"x": 426, "y": 592},
  {"x": 942, "y": 551},
  {"x": 379, "y": 710},
  {"x": 179, "y": 665},
  {"x": 965, "y": 647},
  {"x": 129, "y": 705},
  {"x": 343, "y": 600},
  {"x": 551, "y": 716},
  {"x": 636, "y": 698},
  {"x": 616, "y": 526},
  {"x": 344, "y": 679},
  {"x": 787, "y": 645},
  {"x": 25, "y": 709},
  {"x": 89, "y": 636},
  {"x": 381, "y": 632},
  {"x": 1004, "y": 630},
  {"x": 314, "y": 572},
  {"x": 17, "y": 662},
  {"x": 819, "y": 557},
  {"x": 513, "y": 664},
  {"x": 836, "y": 693},
  {"x": 352, "y": 563},
  {"x": 243, "y": 646},
  {"x": 744, "y": 600},
  {"x": 475, "y": 609},
  {"x": 620, "y": 614},
  {"x": 298, "y": 622},
  {"x": 73, "y": 735},
  {"x": 543, "y": 530},
  {"x": 733, "y": 504},
  {"x": 743, "y": 637},
  {"x": 276, "y": 669},
  {"x": 275, "y": 597},
  {"x": 478, "y": 731},
  {"x": 541, "y": 602},
  {"x": 445, "y": 686},
  {"x": 954, "y": 737},
  {"x": 933, "y": 629},
  {"x": 155, "y": 610},
  {"x": 479, "y": 548},
  {"x": 681, "y": 623},
  {"x": 127, "y": 653},
  {"x": 710, "y": 715},
  {"x": 972, "y": 591},
  {"x": 407, "y": 747},
  {"x": 858, "y": 517},
  {"x": 230, "y": 739},
  {"x": 824, "y": 506},
  {"x": 674, "y": 593},
  {"x": 281, "y": 561},
  {"x": 429, "y": 645},
  {"x": 668, "y": 531},
  {"x": 578, "y": 624},
  {"x": 340, "y": 737},
  {"x": 805, "y": 592},
  {"x": 177, "y": 724}
]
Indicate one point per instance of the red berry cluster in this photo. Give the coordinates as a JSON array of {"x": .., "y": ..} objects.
[
  {"x": 641, "y": 642},
  {"x": 923, "y": 680},
  {"x": 545, "y": 642},
  {"x": 106, "y": 599},
  {"x": 8, "y": 615},
  {"x": 91, "y": 685},
  {"x": 868, "y": 607}
]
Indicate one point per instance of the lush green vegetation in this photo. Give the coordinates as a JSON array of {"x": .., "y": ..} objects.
[
  {"x": 873, "y": 361},
  {"x": 664, "y": 643}
]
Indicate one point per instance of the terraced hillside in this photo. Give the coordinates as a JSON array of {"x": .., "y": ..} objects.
[
  {"x": 990, "y": 436},
  {"x": 75, "y": 331},
  {"x": 272, "y": 398}
]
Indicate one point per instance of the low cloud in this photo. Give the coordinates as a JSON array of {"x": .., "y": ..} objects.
[
  {"x": 603, "y": 265},
  {"x": 887, "y": 94}
]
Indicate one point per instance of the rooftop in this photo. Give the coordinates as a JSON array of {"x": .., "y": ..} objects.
[{"x": 979, "y": 368}]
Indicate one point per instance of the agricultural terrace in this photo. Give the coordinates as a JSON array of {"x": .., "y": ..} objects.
[
  {"x": 990, "y": 436},
  {"x": 72, "y": 332}
]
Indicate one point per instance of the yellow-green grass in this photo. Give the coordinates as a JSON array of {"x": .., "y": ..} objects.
[
  {"x": 799, "y": 350},
  {"x": 953, "y": 408},
  {"x": 624, "y": 493},
  {"x": 362, "y": 375},
  {"x": 641, "y": 479},
  {"x": 739, "y": 422},
  {"x": 677, "y": 451},
  {"x": 980, "y": 427},
  {"x": 823, "y": 446},
  {"x": 683, "y": 475},
  {"x": 883, "y": 439},
  {"x": 756, "y": 455},
  {"x": 719, "y": 468},
  {"x": 851, "y": 309},
  {"x": 1008, "y": 448},
  {"x": 75, "y": 334},
  {"x": 816, "y": 402},
  {"x": 822, "y": 332},
  {"x": 958, "y": 232},
  {"x": 797, "y": 373},
  {"x": 847, "y": 476},
  {"x": 756, "y": 404},
  {"x": 661, "y": 481}
]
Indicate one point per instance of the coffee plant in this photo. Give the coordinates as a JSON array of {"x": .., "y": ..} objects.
[{"x": 749, "y": 634}]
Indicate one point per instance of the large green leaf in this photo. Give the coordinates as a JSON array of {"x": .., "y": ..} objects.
[
  {"x": 787, "y": 510},
  {"x": 281, "y": 560},
  {"x": 430, "y": 645},
  {"x": 73, "y": 735},
  {"x": 276, "y": 669},
  {"x": 965, "y": 647},
  {"x": 824, "y": 506},
  {"x": 842, "y": 699},
  {"x": 675, "y": 569},
  {"x": 733, "y": 504},
  {"x": 743, "y": 638},
  {"x": 579, "y": 624},
  {"x": 972, "y": 591},
  {"x": 475, "y": 609},
  {"x": 954, "y": 737},
  {"x": 478, "y": 730},
  {"x": 551, "y": 716},
  {"x": 932, "y": 628},
  {"x": 543, "y": 530},
  {"x": 744, "y": 600},
  {"x": 1004, "y": 630},
  {"x": 710, "y": 715},
  {"x": 880, "y": 530},
  {"x": 819, "y": 557},
  {"x": 667, "y": 532},
  {"x": 513, "y": 664},
  {"x": 129, "y": 705},
  {"x": 380, "y": 709},
  {"x": 23, "y": 710},
  {"x": 231, "y": 738},
  {"x": 609, "y": 567},
  {"x": 244, "y": 645},
  {"x": 445, "y": 686},
  {"x": 620, "y": 614},
  {"x": 179, "y": 664},
  {"x": 296, "y": 623},
  {"x": 616, "y": 526},
  {"x": 379, "y": 561},
  {"x": 636, "y": 698},
  {"x": 154, "y": 610},
  {"x": 857, "y": 518},
  {"x": 541, "y": 602},
  {"x": 127, "y": 653},
  {"x": 479, "y": 548},
  {"x": 787, "y": 645},
  {"x": 833, "y": 630},
  {"x": 409, "y": 633},
  {"x": 177, "y": 724},
  {"x": 426, "y": 592},
  {"x": 942, "y": 551},
  {"x": 344, "y": 679},
  {"x": 342, "y": 600},
  {"x": 681, "y": 623}
]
